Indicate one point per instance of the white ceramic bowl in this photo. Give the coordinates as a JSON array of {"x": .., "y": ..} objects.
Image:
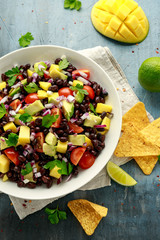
[{"x": 35, "y": 54}]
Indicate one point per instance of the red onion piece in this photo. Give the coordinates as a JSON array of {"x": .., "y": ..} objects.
[
  {"x": 84, "y": 75},
  {"x": 25, "y": 153},
  {"x": 40, "y": 67},
  {"x": 49, "y": 105},
  {"x": 16, "y": 96},
  {"x": 18, "y": 108},
  {"x": 85, "y": 116},
  {"x": 38, "y": 174},
  {"x": 3, "y": 140},
  {"x": 4, "y": 99},
  {"x": 70, "y": 99},
  {"x": 50, "y": 80},
  {"x": 59, "y": 180},
  {"x": 86, "y": 82},
  {"x": 99, "y": 126},
  {"x": 72, "y": 120},
  {"x": 46, "y": 112},
  {"x": 22, "y": 177},
  {"x": 65, "y": 159},
  {"x": 71, "y": 148},
  {"x": 69, "y": 177},
  {"x": 6, "y": 106}
]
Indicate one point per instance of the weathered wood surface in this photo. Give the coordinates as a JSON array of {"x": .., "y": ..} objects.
[{"x": 134, "y": 213}]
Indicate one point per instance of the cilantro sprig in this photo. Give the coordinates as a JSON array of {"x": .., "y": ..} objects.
[
  {"x": 2, "y": 110},
  {"x": 93, "y": 109},
  {"x": 64, "y": 170},
  {"x": 54, "y": 215},
  {"x": 31, "y": 87},
  {"x": 26, "y": 39},
  {"x": 48, "y": 120},
  {"x": 72, "y": 4},
  {"x": 27, "y": 169},
  {"x": 63, "y": 64},
  {"x": 25, "y": 117},
  {"x": 12, "y": 140},
  {"x": 79, "y": 88},
  {"x": 12, "y": 74}
]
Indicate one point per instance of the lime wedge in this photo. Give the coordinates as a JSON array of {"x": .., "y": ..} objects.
[{"x": 119, "y": 175}]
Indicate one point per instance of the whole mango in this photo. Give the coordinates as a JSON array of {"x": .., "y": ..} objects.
[{"x": 121, "y": 20}]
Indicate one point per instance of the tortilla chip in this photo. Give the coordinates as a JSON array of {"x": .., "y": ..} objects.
[
  {"x": 147, "y": 164},
  {"x": 132, "y": 144},
  {"x": 137, "y": 115},
  {"x": 152, "y": 132},
  {"x": 87, "y": 213}
]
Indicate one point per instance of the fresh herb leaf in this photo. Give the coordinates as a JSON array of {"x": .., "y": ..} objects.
[
  {"x": 63, "y": 169},
  {"x": 12, "y": 140},
  {"x": 12, "y": 74},
  {"x": 63, "y": 64},
  {"x": 72, "y": 4},
  {"x": 2, "y": 110},
  {"x": 25, "y": 117},
  {"x": 61, "y": 165},
  {"x": 50, "y": 165},
  {"x": 79, "y": 88},
  {"x": 26, "y": 39},
  {"x": 48, "y": 120},
  {"x": 54, "y": 215},
  {"x": 93, "y": 109},
  {"x": 31, "y": 87},
  {"x": 27, "y": 169},
  {"x": 70, "y": 168}
]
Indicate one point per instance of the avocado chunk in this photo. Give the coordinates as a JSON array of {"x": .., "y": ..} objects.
[
  {"x": 79, "y": 97},
  {"x": 51, "y": 139},
  {"x": 3, "y": 143},
  {"x": 37, "y": 70},
  {"x": 55, "y": 73},
  {"x": 34, "y": 107},
  {"x": 53, "y": 98},
  {"x": 17, "y": 90},
  {"x": 68, "y": 109},
  {"x": 92, "y": 120},
  {"x": 29, "y": 176},
  {"x": 77, "y": 140},
  {"x": 49, "y": 150}
]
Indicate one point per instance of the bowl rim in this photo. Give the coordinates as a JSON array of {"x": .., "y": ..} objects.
[{"x": 74, "y": 188}]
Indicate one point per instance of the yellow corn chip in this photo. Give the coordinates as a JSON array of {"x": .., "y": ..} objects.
[
  {"x": 147, "y": 164},
  {"x": 87, "y": 213},
  {"x": 132, "y": 144},
  {"x": 137, "y": 115}
]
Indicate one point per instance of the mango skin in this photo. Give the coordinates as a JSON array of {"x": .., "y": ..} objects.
[{"x": 121, "y": 20}]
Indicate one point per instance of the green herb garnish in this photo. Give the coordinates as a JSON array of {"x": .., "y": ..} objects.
[
  {"x": 12, "y": 140},
  {"x": 12, "y": 74},
  {"x": 54, "y": 215},
  {"x": 72, "y": 4},
  {"x": 63, "y": 64},
  {"x": 48, "y": 120},
  {"x": 79, "y": 88},
  {"x": 31, "y": 87},
  {"x": 27, "y": 169},
  {"x": 26, "y": 39},
  {"x": 92, "y": 109},
  {"x": 2, "y": 110},
  {"x": 64, "y": 170},
  {"x": 25, "y": 117}
]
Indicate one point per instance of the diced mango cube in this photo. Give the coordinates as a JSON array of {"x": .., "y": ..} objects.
[
  {"x": 2, "y": 85},
  {"x": 44, "y": 85},
  {"x": 10, "y": 126},
  {"x": 24, "y": 135},
  {"x": 123, "y": 12},
  {"x": 5, "y": 178},
  {"x": 115, "y": 23},
  {"x": 42, "y": 94},
  {"x": 4, "y": 163},
  {"x": 75, "y": 82},
  {"x": 21, "y": 111},
  {"x": 54, "y": 172},
  {"x": 106, "y": 121},
  {"x": 101, "y": 107},
  {"x": 29, "y": 72},
  {"x": 88, "y": 141},
  {"x": 53, "y": 66},
  {"x": 62, "y": 147}
]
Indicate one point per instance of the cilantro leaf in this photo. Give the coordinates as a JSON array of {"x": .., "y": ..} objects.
[
  {"x": 31, "y": 87},
  {"x": 26, "y": 39},
  {"x": 12, "y": 140},
  {"x": 61, "y": 165},
  {"x": 12, "y": 74},
  {"x": 48, "y": 120},
  {"x": 54, "y": 215},
  {"x": 78, "y": 5},
  {"x": 27, "y": 169},
  {"x": 92, "y": 109},
  {"x": 2, "y": 110},
  {"x": 50, "y": 165},
  {"x": 70, "y": 168},
  {"x": 72, "y": 4},
  {"x": 25, "y": 117},
  {"x": 79, "y": 88},
  {"x": 63, "y": 169},
  {"x": 63, "y": 64}
]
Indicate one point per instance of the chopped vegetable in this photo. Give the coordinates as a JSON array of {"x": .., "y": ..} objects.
[
  {"x": 26, "y": 39},
  {"x": 54, "y": 215}
]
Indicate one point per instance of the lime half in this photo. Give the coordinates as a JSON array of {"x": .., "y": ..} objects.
[{"x": 119, "y": 175}]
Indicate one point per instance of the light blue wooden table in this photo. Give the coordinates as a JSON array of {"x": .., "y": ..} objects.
[{"x": 134, "y": 213}]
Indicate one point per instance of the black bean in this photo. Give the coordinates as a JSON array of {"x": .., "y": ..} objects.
[
  {"x": 9, "y": 174},
  {"x": 76, "y": 105},
  {"x": 31, "y": 185},
  {"x": 101, "y": 129},
  {"x": 65, "y": 83},
  {"x": 98, "y": 148},
  {"x": 46, "y": 179},
  {"x": 59, "y": 82},
  {"x": 46, "y": 131},
  {"x": 97, "y": 99},
  {"x": 38, "y": 122},
  {"x": 93, "y": 152},
  {"x": 95, "y": 143},
  {"x": 27, "y": 66},
  {"x": 79, "y": 122},
  {"x": 4, "y": 77},
  {"x": 37, "y": 129},
  {"x": 82, "y": 107},
  {"x": 87, "y": 99},
  {"x": 89, "y": 148},
  {"x": 49, "y": 184},
  {"x": 58, "y": 60},
  {"x": 35, "y": 156},
  {"x": 60, "y": 132},
  {"x": 63, "y": 139},
  {"x": 20, "y": 184},
  {"x": 98, "y": 92},
  {"x": 17, "y": 169},
  {"x": 102, "y": 100},
  {"x": 21, "y": 158},
  {"x": 93, "y": 136},
  {"x": 29, "y": 79},
  {"x": 103, "y": 115},
  {"x": 24, "y": 74},
  {"x": 100, "y": 137},
  {"x": 53, "y": 88}
]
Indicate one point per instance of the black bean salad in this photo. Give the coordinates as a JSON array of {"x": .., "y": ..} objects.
[{"x": 53, "y": 121}]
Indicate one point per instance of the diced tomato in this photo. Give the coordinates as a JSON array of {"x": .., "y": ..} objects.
[
  {"x": 15, "y": 104},
  {"x": 46, "y": 75},
  {"x": 0, "y": 98},
  {"x": 32, "y": 97},
  {"x": 77, "y": 73},
  {"x": 40, "y": 140},
  {"x": 90, "y": 91},
  {"x": 75, "y": 128},
  {"x": 13, "y": 155},
  {"x": 20, "y": 77},
  {"x": 56, "y": 111},
  {"x": 76, "y": 154},
  {"x": 66, "y": 91},
  {"x": 87, "y": 160}
]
